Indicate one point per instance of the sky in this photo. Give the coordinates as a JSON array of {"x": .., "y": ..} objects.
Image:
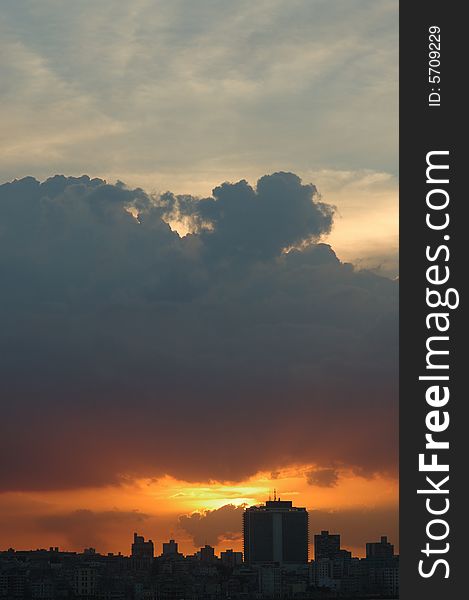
[{"x": 198, "y": 243}]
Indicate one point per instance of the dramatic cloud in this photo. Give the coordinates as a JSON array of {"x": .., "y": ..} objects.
[
  {"x": 180, "y": 95},
  {"x": 259, "y": 223},
  {"x": 322, "y": 477},
  {"x": 212, "y": 526},
  {"x": 130, "y": 351}
]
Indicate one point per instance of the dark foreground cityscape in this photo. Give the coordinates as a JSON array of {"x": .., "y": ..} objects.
[{"x": 275, "y": 564}]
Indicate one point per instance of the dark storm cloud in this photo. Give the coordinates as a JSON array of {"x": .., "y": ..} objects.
[
  {"x": 213, "y": 526},
  {"x": 279, "y": 213},
  {"x": 322, "y": 477},
  {"x": 127, "y": 350},
  {"x": 83, "y": 528}
]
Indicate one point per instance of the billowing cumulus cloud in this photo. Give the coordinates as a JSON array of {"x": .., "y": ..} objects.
[
  {"x": 212, "y": 526},
  {"x": 130, "y": 351},
  {"x": 239, "y": 220},
  {"x": 322, "y": 477}
]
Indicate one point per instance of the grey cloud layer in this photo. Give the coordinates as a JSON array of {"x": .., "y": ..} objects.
[
  {"x": 198, "y": 87},
  {"x": 127, "y": 350}
]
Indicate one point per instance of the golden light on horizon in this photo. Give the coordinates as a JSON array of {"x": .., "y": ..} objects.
[{"x": 158, "y": 504}]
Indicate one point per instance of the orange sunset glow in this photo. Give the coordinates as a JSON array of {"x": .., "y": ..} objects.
[{"x": 157, "y": 505}]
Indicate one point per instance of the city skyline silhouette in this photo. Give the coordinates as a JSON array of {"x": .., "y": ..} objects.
[{"x": 275, "y": 563}]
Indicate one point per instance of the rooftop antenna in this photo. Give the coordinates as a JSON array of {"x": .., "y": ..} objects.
[{"x": 275, "y": 495}]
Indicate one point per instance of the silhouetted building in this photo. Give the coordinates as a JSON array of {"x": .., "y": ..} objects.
[
  {"x": 170, "y": 548},
  {"x": 380, "y": 550},
  {"x": 207, "y": 554},
  {"x": 142, "y": 548},
  {"x": 55, "y": 575},
  {"x": 231, "y": 558},
  {"x": 142, "y": 553},
  {"x": 276, "y": 532},
  {"x": 12, "y": 585},
  {"x": 270, "y": 580},
  {"x": 326, "y": 545},
  {"x": 382, "y": 568},
  {"x": 42, "y": 589},
  {"x": 85, "y": 582}
]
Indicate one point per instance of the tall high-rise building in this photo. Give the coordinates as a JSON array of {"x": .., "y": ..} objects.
[
  {"x": 276, "y": 532},
  {"x": 326, "y": 545}
]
